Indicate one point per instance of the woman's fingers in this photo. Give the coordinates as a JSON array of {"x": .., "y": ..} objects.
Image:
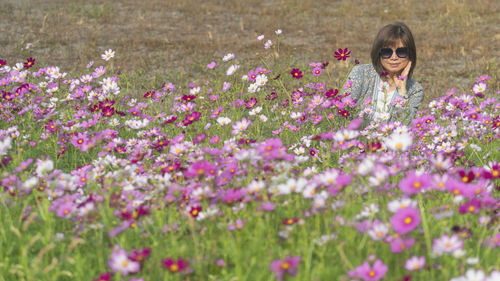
[{"x": 407, "y": 69}]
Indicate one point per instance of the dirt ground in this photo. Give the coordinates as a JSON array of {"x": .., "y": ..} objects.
[{"x": 457, "y": 40}]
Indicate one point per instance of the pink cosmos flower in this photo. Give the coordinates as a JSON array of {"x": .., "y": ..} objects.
[
  {"x": 226, "y": 86},
  {"x": 414, "y": 183},
  {"x": 201, "y": 168},
  {"x": 405, "y": 220},
  {"x": 370, "y": 273},
  {"x": 316, "y": 71},
  {"x": 212, "y": 65},
  {"x": 80, "y": 140},
  {"x": 238, "y": 225},
  {"x": 399, "y": 244},
  {"x": 287, "y": 266}
]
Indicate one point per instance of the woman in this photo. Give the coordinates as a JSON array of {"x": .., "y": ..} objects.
[{"x": 388, "y": 81}]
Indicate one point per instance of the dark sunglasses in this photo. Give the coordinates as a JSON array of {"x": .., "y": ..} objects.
[{"x": 386, "y": 53}]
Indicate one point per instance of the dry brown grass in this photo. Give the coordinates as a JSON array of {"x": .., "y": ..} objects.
[{"x": 456, "y": 39}]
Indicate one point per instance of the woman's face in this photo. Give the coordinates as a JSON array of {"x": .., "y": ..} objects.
[{"x": 395, "y": 64}]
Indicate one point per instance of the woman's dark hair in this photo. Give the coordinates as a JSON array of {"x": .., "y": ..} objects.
[{"x": 388, "y": 36}]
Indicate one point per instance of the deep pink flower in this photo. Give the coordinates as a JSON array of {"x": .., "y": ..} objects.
[
  {"x": 190, "y": 118},
  {"x": 175, "y": 266},
  {"x": 29, "y": 62},
  {"x": 140, "y": 255},
  {"x": 104, "y": 277},
  {"x": 342, "y": 54},
  {"x": 108, "y": 111},
  {"x": 471, "y": 206},
  {"x": 51, "y": 127},
  {"x": 250, "y": 103},
  {"x": 296, "y": 73},
  {"x": 195, "y": 211},
  {"x": 287, "y": 266},
  {"x": 405, "y": 220}
]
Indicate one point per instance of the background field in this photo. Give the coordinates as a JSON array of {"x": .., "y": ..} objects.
[{"x": 456, "y": 40}]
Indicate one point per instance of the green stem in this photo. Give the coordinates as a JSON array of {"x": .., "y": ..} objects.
[{"x": 425, "y": 225}]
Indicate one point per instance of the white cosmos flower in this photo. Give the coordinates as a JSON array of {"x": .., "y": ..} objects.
[
  {"x": 223, "y": 121},
  {"x": 294, "y": 115},
  {"x": 399, "y": 141},
  {"x": 5, "y": 145},
  {"x": 299, "y": 150},
  {"x": 268, "y": 44},
  {"x": 263, "y": 118},
  {"x": 194, "y": 90},
  {"x": 261, "y": 79},
  {"x": 260, "y": 37},
  {"x": 479, "y": 88},
  {"x": 19, "y": 66},
  {"x": 494, "y": 276},
  {"x": 256, "y": 186},
  {"x": 398, "y": 204},
  {"x": 44, "y": 166},
  {"x": 108, "y": 55},
  {"x": 378, "y": 231},
  {"x": 30, "y": 183},
  {"x": 228, "y": 57},
  {"x": 369, "y": 211},
  {"x": 232, "y": 69},
  {"x": 278, "y": 31},
  {"x": 253, "y": 88},
  {"x": 471, "y": 275},
  {"x": 255, "y": 111}
]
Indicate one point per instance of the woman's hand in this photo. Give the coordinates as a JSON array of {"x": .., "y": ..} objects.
[{"x": 401, "y": 81}]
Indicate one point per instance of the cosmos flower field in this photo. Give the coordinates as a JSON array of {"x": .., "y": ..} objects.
[{"x": 256, "y": 173}]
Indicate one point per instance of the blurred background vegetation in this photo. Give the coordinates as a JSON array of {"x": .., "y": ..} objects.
[{"x": 457, "y": 40}]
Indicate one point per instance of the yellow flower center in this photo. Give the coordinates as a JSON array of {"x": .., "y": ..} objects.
[{"x": 285, "y": 266}]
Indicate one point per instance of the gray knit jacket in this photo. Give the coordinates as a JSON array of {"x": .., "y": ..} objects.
[{"x": 364, "y": 77}]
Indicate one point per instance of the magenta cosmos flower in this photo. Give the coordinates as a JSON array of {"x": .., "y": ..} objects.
[
  {"x": 414, "y": 183},
  {"x": 175, "y": 266},
  {"x": 296, "y": 73},
  {"x": 289, "y": 266},
  {"x": 370, "y": 273},
  {"x": 342, "y": 54},
  {"x": 405, "y": 220}
]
